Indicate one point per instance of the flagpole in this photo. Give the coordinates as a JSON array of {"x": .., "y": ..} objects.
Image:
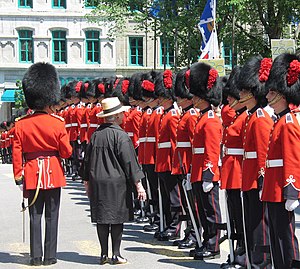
[{"x": 214, "y": 20}]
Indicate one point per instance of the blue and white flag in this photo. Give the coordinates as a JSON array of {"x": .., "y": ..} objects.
[{"x": 209, "y": 46}]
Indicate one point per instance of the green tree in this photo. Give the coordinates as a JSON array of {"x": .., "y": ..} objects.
[
  {"x": 251, "y": 24},
  {"x": 19, "y": 96}
]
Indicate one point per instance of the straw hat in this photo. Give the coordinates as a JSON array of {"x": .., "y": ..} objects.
[{"x": 111, "y": 106}]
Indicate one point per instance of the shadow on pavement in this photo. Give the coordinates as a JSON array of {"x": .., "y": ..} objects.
[
  {"x": 190, "y": 263},
  {"x": 77, "y": 258},
  {"x": 21, "y": 258}
]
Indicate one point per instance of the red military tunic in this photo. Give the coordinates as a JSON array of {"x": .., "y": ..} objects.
[
  {"x": 7, "y": 140},
  {"x": 231, "y": 171},
  {"x": 79, "y": 111},
  {"x": 185, "y": 126},
  {"x": 206, "y": 147},
  {"x": 94, "y": 120},
  {"x": 35, "y": 136},
  {"x": 283, "y": 159},
  {"x": 11, "y": 133},
  {"x": 166, "y": 140},
  {"x": 2, "y": 140},
  {"x": 132, "y": 125},
  {"x": 227, "y": 114},
  {"x": 84, "y": 124},
  {"x": 152, "y": 135},
  {"x": 142, "y": 135},
  {"x": 256, "y": 133}
]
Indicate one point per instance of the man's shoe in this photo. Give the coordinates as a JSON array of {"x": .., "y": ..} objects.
[
  {"x": 196, "y": 249},
  {"x": 187, "y": 244},
  {"x": 50, "y": 261},
  {"x": 118, "y": 260},
  {"x": 151, "y": 228},
  {"x": 36, "y": 261},
  {"x": 103, "y": 259},
  {"x": 207, "y": 254}
]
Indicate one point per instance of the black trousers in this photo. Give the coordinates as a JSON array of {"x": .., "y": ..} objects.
[
  {"x": 153, "y": 183},
  {"x": 284, "y": 243},
  {"x": 257, "y": 227},
  {"x": 50, "y": 199},
  {"x": 209, "y": 214},
  {"x": 234, "y": 204},
  {"x": 171, "y": 200}
]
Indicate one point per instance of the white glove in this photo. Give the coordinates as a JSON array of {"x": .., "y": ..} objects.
[
  {"x": 188, "y": 184},
  {"x": 20, "y": 187},
  {"x": 260, "y": 194},
  {"x": 207, "y": 186},
  {"x": 291, "y": 205}
]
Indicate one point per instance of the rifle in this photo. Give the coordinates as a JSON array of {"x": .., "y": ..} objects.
[{"x": 185, "y": 189}]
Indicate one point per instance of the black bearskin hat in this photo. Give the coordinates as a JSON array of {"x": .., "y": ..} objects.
[
  {"x": 87, "y": 90},
  {"x": 182, "y": 84},
  {"x": 73, "y": 89},
  {"x": 205, "y": 83},
  {"x": 231, "y": 87},
  {"x": 253, "y": 76},
  {"x": 101, "y": 88},
  {"x": 285, "y": 77},
  {"x": 224, "y": 80},
  {"x": 164, "y": 84},
  {"x": 41, "y": 86}
]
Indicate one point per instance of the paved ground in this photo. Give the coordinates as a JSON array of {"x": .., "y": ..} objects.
[{"x": 78, "y": 245}]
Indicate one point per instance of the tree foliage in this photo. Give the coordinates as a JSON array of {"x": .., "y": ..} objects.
[
  {"x": 19, "y": 96},
  {"x": 250, "y": 23}
]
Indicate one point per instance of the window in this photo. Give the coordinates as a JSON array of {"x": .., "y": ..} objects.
[
  {"x": 59, "y": 47},
  {"x": 227, "y": 55},
  {"x": 92, "y": 47},
  {"x": 90, "y": 3},
  {"x": 25, "y": 3},
  {"x": 26, "y": 46},
  {"x": 59, "y": 3},
  {"x": 136, "y": 51},
  {"x": 167, "y": 50}
]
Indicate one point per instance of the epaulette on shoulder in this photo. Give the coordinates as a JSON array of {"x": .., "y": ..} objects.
[
  {"x": 89, "y": 105},
  {"x": 159, "y": 110},
  {"x": 79, "y": 106},
  {"x": 139, "y": 109},
  {"x": 260, "y": 113},
  {"x": 149, "y": 111},
  {"x": 211, "y": 114},
  {"x": 193, "y": 111},
  {"x": 173, "y": 112},
  {"x": 289, "y": 118},
  {"x": 23, "y": 117},
  {"x": 58, "y": 117}
]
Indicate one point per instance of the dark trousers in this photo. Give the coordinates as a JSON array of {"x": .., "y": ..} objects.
[
  {"x": 50, "y": 199},
  {"x": 284, "y": 243},
  {"x": 257, "y": 227},
  {"x": 152, "y": 178},
  {"x": 209, "y": 214},
  {"x": 171, "y": 200},
  {"x": 234, "y": 204}
]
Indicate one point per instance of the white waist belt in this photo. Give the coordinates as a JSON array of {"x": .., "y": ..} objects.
[
  {"x": 74, "y": 124},
  {"x": 83, "y": 125},
  {"x": 130, "y": 134},
  {"x": 183, "y": 144},
  {"x": 274, "y": 163},
  {"x": 233, "y": 151},
  {"x": 198, "y": 150},
  {"x": 95, "y": 125},
  {"x": 68, "y": 125},
  {"x": 150, "y": 139},
  {"x": 142, "y": 139},
  {"x": 164, "y": 145},
  {"x": 250, "y": 155}
]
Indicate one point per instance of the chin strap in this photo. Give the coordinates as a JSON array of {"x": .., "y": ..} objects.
[
  {"x": 275, "y": 99},
  {"x": 246, "y": 98},
  {"x": 234, "y": 103}
]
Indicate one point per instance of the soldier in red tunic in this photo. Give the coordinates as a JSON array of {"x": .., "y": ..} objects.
[
  {"x": 206, "y": 87},
  {"x": 40, "y": 141},
  {"x": 281, "y": 184},
  {"x": 231, "y": 179},
  {"x": 256, "y": 132}
]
